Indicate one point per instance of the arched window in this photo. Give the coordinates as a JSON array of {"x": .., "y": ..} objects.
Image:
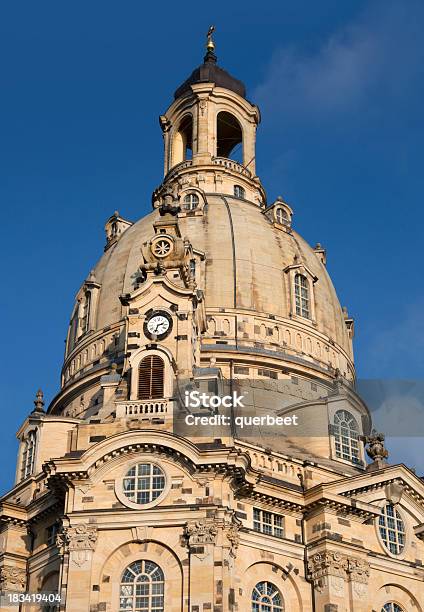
[
  {"x": 193, "y": 267},
  {"x": 28, "y": 456},
  {"x": 151, "y": 373},
  {"x": 301, "y": 294},
  {"x": 183, "y": 141},
  {"x": 346, "y": 436},
  {"x": 229, "y": 137},
  {"x": 266, "y": 598},
  {"x": 142, "y": 588},
  {"x": 239, "y": 192},
  {"x": 391, "y": 607},
  {"x": 191, "y": 201},
  {"x": 392, "y": 529},
  {"x": 282, "y": 216}
]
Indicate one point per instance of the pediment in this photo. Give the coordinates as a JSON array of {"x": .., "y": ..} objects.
[
  {"x": 150, "y": 285},
  {"x": 359, "y": 487}
]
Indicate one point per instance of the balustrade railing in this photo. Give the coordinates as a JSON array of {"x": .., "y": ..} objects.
[{"x": 142, "y": 407}]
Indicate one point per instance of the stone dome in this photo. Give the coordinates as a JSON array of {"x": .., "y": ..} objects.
[
  {"x": 247, "y": 255},
  {"x": 210, "y": 72},
  {"x": 247, "y": 259},
  {"x": 268, "y": 306}
]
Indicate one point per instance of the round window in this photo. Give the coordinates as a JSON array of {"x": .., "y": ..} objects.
[
  {"x": 143, "y": 483},
  {"x": 162, "y": 247}
]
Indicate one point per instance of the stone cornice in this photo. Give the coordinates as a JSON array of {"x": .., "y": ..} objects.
[
  {"x": 12, "y": 514},
  {"x": 319, "y": 498},
  {"x": 229, "y": 462},
  {"x": 375, "y": 481},
  {"x": 350, "y": 489}
]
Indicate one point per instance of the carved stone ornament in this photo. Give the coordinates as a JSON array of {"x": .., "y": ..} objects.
[
  {"x": 165, "y": 198},
  {"x": 330, "y": 570},
  {"x": 12, "y": 578},
  {"x": 375, "y": 447},
  {"x": 168, "y": 251},
  {"x": 200, "y": 533},
  {"x": 79, "y": 541},
  {"x": 232, "y": 535},
  {"x": 203, "y": 105},
  {"x": 394, "y": 492},
  {"x": 358, "y": 570}
]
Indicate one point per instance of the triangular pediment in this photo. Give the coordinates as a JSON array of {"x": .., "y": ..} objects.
[{"x": 359, "y": 487}]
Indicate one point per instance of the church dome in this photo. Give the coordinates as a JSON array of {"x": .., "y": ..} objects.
[
  {"x": 259, "y": 298},
  {"x": 247, "y": 259},
  {"x": 210, "y": 72}
]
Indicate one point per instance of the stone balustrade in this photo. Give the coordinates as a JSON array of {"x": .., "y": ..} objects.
[{"x": 136, "y": 408}]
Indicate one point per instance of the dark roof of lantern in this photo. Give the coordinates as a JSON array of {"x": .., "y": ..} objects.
[{"x": 210, "y": 72}]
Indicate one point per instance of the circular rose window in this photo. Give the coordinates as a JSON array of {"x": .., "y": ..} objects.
[
  {"x": 143, "y": 483},
  {"x": 162, "y": 247}
]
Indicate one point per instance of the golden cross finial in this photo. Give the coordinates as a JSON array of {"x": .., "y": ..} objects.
[{"x": 210, "y": 45}]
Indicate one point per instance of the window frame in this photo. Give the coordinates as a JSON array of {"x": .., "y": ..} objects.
[
  {"x": 405, "y": 532},
  {"x": 188, "y": 200},
  {"x": 256, "y": 605},
  {"x": 285, "y": 220},
  {"x": 262, "y": 523},
  {"x": 51, "y": 533},
  {"x": 335, "y": 435},
  {"x": 152, "y": 381},
  {"x": 300, "y": 297},
  {"x": 135, "y": 581},
  {"x": 119, "y": 484},
  {"x": 136, "y": 358},
  {"x": 27, "y": 466},
  {"x": 241, "y": 195},
  {"x": 291, "y": 272},
  {"x": 392, "y": 608}
]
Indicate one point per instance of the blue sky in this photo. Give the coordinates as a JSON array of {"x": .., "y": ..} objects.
[{"x": 340, "y": 86}]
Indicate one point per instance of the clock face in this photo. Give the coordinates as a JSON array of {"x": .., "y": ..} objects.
[{"x": 158, "y": 325}]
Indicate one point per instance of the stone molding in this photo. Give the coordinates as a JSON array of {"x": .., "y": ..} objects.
[{"x": 12, "y": 578}]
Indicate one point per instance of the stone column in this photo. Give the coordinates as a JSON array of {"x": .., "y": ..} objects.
[
  {"x": 358, "y": 573},
  {"x": 203, "y": 136},
  {"x": 340, "y": 581},
  {"x": 76, "y": 544},
  {"x": 249, "y": 146},
  {"x": 230, "y": 542},
  {"x": 213, "y": 544},
  {"x": 165, "y": 124},
  {"x": 328, "y": 571},
  {"x": 201, "y": 538}
]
